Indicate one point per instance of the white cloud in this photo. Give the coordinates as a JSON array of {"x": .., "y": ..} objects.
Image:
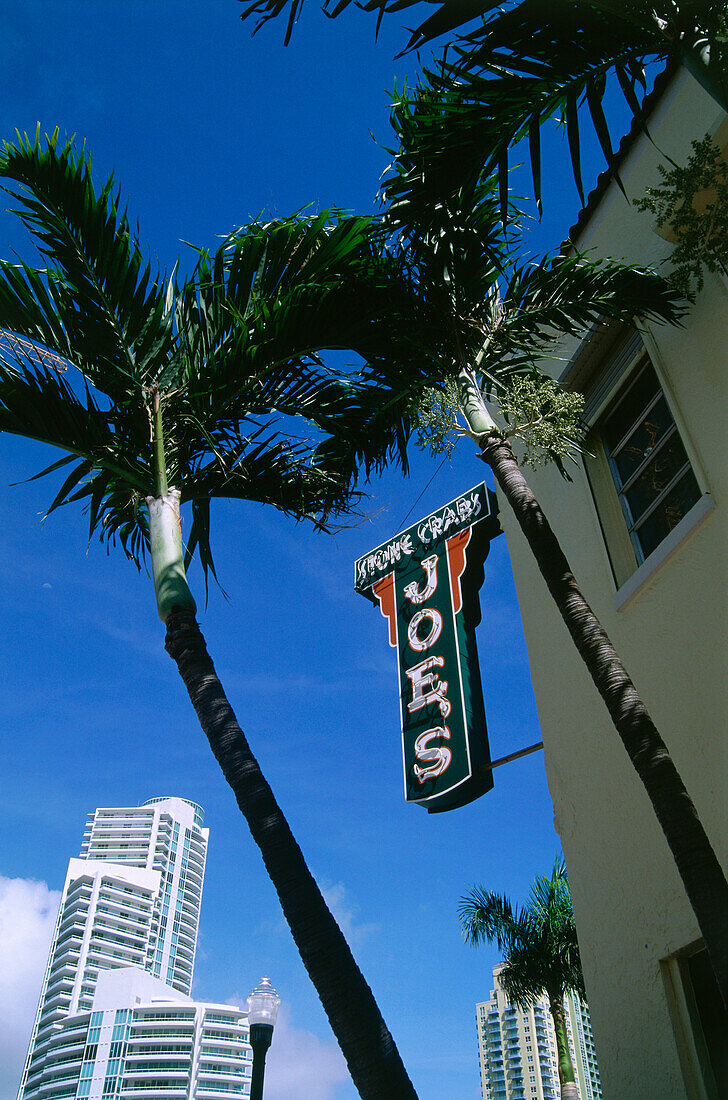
[
  {"x": 343, "y": 909},
  {"x": 299, "y": 1064},
  {"x": 345, "y": 913},
  {"x": 28, "y": 913}
]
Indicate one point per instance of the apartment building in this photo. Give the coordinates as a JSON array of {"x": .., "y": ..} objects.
[
  {"x": 517, "y": 1048},
  {"x": 114, "y": 1015}
]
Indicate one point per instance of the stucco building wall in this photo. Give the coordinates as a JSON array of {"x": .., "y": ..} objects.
[{"x": 629, "y": 902}]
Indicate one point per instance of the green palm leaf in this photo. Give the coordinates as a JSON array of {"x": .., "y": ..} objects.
[
  {"x": 214, "y": 368},
  {"x": 112, "y": 311},
  {"x": 521, "y": 66},
  {"x": 538, "y": 942},
  {"x": 39, "y": 404},
  {"x": 517, "y": 69},
  {"x": 569, "y": 293}
]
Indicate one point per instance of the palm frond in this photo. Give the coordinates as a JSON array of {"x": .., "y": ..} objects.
[
  {"x": 568, "y": 293},
  {"x": 41, "y": 405},
  {"x": 102, "y": 307},
  {"x": 30, "y": 303},
  {"x": 282, "y": 295},
  {"x": 486, "y": 916},
  {"x": 25, "y": 351},
  {"x": 237, "y": 345},
  {"x": 449, "y": 16},
  {"x": 255, "y": 318},
  {"x": 513, "y": 70},
  {"x": 435, "y": 190},
  {"x": 264, "y": 467},
  {"x": 538, "y": 942},
  {"x": 264, "y": 10},
  {"x": 518, "y": 70},
  {"x": 373, "y": 429},
  {"x": 108, "y": 474}
]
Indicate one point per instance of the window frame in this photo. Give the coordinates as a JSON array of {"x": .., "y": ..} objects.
[
  {"x": 693, "y": 1050},
  {"x": 641, "y": 366},
  {"x": 607, "y": 381}
]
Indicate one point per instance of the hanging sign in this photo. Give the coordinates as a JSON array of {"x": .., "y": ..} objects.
[{"x": 426, "y": 582}]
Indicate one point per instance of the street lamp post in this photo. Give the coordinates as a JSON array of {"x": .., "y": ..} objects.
[{"x": 263, "y": 1004}]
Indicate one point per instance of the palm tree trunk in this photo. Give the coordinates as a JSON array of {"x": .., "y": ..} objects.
[
  {"x": 567, "y": 1083},
  {"x": 696, "y": 861},
  {"x": 373, "y": 1060}
]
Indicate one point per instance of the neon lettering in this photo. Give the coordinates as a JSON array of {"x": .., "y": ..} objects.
[
  {"x": 426, "y": 687},
  {"x": 436, "y": 758},
  {"x": 413, "y": 593},
  {"x": 420, "y": 644}
]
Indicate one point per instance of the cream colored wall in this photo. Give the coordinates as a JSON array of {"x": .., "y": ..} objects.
[{"x": 629, "y": 902}]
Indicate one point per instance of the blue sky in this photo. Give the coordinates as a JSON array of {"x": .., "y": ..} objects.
[{"x": 206, "y": 128}]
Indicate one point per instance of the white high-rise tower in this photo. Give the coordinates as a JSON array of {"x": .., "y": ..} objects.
[
  {"x": 122, "y": 960},
  {"x": 517, "y": 1048}
]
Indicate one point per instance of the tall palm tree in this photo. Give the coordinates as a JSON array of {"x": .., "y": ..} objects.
[
  {"x": 516, "y": 70},
  {"x": 512, "y": 67},
  {"x": 484, "y": 325},
  {"x": 160, "y": 392},
  {"x": 540, "y": 948}
]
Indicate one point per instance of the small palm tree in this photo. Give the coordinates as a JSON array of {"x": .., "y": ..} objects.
[
  {"x": 540, "y": 948},
  {"x": 160, "y": 393}
]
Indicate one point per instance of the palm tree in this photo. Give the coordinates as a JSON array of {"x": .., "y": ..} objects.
[
  {"x": 540, "y": 948},
  {"x": 511, "y": 74},
  {"x": 482, "y": 326},
  {"x": 159, "y": 392},
  {"x": 521, "y": 65}
]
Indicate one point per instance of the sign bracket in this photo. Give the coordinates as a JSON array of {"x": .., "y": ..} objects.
[{"x": 511, "y": 756}]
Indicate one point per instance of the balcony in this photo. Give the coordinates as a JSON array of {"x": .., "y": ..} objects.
[
  {"x": 62, "y": 985},
  {"x": 177, "y": 1061},
  {"x": 66, "y": 1045},
  {"x": 171, "y": 1069},
  {"x": 80, "y": 887},
  {"x": 153, "y": 1089},
  {"x": 223, "y": 1089},
  {"x": 74, "y": 918},
  {"x": 125, "y": 913},
  {"x": 163, "y": 1019},
  {"x": 53, "y": 1007},
  {"x": 68, "y": 953},
  {"x": 63, "y": 966},
  {"x": 121, "y": 908},
  {"x": 110, "y": 960},
  {"x": 158, "y": 1047},
  {"x": 233, "y": 1060},
  {"x": 157, "y": 1035}
]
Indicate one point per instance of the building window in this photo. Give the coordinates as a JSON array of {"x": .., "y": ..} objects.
[
  {"x": 636, "y": 462},
  {"x": 650, "y": 468},
  {"x": 699, "y": 1018}
]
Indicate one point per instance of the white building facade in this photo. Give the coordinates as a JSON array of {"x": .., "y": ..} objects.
[
  {"x": 114, "y": 1014},
  {"x": 517, "y": 1048},
  {"x": 644, "y": 526}
]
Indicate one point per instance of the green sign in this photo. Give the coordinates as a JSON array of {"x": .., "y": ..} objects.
[{"x": 426, "y": 582}]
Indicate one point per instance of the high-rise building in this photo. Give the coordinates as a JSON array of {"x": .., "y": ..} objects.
[
  {"x": 517, "y": 1048},
  {"x": 114, "y": 1015}
]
